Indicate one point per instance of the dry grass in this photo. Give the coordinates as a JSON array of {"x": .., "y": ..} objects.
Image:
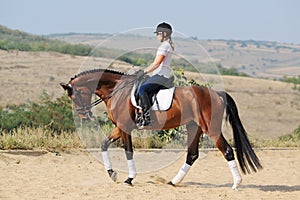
[
  {"x": 291, "y": 141},
  {"x": 43, "y": 139},
  {"x": 38, "y": 138},
  {"x": 24, "y": 75}
]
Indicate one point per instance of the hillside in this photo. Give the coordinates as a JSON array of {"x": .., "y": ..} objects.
[
  {"x": 262, "y": 59},
  {"x": 268, "y": 108},
  {"x": 19, "y": 40}
]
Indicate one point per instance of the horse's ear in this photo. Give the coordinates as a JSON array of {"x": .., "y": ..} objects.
[{"x": 66, "y": 87}]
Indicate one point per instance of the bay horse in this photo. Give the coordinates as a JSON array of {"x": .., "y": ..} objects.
[{"x": 199, "y": 108}]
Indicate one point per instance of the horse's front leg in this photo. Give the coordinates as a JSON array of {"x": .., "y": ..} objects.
[
  {"x": 127, "y": 142},
  {"x": 114, "y": 135}
]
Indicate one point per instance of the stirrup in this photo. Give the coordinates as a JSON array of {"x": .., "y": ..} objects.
[
  {"x": 143, "y": 119},
  {"x": 139, "y": 118}
]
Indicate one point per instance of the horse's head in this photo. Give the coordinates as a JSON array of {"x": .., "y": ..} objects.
[
  {"x": 81, "y": 88},
  {"x": 81, "y": 99}
]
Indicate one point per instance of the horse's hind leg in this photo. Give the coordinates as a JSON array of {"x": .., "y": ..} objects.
[
  {"x": 227, "y": 152},
  {"x": 114, "y": 135},
  {"x": 194, "y": 133}
]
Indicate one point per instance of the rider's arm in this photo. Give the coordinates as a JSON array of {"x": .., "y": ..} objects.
[{"x": 158, "y": 60}]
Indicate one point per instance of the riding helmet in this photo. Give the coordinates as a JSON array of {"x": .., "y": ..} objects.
[{"x": 164, "y": 27}]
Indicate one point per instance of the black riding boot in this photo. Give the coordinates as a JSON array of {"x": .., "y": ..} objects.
[{"x": 144, "y": 117}]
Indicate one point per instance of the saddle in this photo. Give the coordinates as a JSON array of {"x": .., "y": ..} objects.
[{"x": 164, "y": 92}]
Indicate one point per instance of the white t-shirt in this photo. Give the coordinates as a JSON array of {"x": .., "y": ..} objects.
[{"x": 164, "y": 68}]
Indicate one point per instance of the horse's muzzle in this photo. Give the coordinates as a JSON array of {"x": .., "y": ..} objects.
[{"x": 88, "y": 117}]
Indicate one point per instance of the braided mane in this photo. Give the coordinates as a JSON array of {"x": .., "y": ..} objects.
[{"x": 98, "y": 70}]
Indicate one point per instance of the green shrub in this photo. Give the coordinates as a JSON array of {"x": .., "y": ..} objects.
[
  {"x": 294, "y": 137},
  {"x": 294, "y": 80},
  {"x": 230, "y": 72},
  {"x": 57, "y": 115},
  {"x": 137, "y": 59}
]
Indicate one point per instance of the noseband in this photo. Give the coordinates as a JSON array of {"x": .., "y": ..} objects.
[{"x": 84, "y": 108}]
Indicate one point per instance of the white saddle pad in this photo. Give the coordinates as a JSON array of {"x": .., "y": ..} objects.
[{"x": 164, "y": 99}]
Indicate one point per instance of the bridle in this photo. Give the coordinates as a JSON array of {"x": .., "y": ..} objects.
[{"x": 85, "y": 109}]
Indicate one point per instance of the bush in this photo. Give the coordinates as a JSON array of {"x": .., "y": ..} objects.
[
  {"x": 56, "y": 115},
  {"x": 231, "y": 71},
  {"x": 294, "y": 80},
  {"x": 294, "y": 137}
]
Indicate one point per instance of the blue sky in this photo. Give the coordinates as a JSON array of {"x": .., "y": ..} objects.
[{"x": 271, "y": 20}]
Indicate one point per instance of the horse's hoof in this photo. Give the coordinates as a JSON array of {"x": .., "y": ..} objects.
[
  {"x": 170, "y": 183},
  {"x": 236, "y": 185},
  {"x": 113, "y": 175},
  {"x": 128, "y": 182}
]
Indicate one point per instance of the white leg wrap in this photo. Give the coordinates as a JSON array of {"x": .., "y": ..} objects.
[
  {"x": 181, "y": 174},
  {"x": 237, "y": 179},
  {"x": 106, "y": 160},
  {"x": 131, "y": 168}
]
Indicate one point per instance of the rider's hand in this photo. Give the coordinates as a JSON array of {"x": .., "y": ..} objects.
[{"x": 140, "y": 74}]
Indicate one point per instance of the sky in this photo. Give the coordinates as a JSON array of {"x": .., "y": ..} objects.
[{"x": 263, "y": 20}]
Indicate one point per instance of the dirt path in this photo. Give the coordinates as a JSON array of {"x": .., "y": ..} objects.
[{"x": 77, "y": 175}]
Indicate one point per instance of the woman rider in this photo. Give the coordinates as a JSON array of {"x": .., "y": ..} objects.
[{"x": 160, "y": 70}]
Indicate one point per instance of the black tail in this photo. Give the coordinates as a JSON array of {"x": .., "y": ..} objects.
[{"x": 247, "y": 158}]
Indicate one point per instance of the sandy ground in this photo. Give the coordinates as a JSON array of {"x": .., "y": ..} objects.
[{"x": 78, "y": 175}]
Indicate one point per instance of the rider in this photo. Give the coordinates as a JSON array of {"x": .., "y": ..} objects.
[{"x": 160, "y": 69}]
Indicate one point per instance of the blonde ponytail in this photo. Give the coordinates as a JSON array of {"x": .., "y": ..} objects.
[{"x": 171, "y": 43}]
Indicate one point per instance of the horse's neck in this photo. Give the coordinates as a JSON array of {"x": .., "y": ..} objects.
[
  {"x": 121, "y": 93},
  {"x": 109, "y": 82}
]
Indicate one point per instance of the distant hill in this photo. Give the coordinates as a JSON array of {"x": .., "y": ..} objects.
[
  {"x": 19, "y": 40},
  {"x": 264, "y": 59}
]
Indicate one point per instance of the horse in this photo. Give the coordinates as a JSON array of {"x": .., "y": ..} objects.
[{"x": 200, "y": 109}]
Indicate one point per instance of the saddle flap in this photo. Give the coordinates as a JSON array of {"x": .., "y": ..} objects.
[
  {"x": 157, "y": 98},
  {"x": 163, "y": 100}
]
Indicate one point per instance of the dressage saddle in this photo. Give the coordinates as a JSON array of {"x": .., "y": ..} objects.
[{"x": 152, "y": 96}]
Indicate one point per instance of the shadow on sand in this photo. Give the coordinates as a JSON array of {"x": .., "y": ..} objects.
[{"x": 265, "y": 188}]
